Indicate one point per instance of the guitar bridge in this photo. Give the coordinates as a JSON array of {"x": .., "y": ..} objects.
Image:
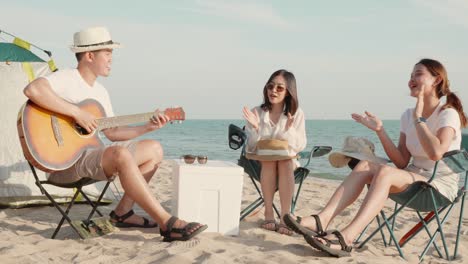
[{"x": 57, "y": 132}]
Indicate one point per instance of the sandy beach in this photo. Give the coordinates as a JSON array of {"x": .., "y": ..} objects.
[{"x": 26, "y": 235}]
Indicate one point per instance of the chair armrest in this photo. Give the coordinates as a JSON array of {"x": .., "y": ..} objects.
[
  {"x": 317, "y": 151},
  {"x": 456, "y": 160},
  {"x": 236, "y": 137},
  {"x": 305, "y": 155},
  {"x": 451, "y": 153}
]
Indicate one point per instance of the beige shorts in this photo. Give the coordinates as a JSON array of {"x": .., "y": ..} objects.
[
  {"x": 446, "y": 182},
  {"x": 89, "y": 165}
]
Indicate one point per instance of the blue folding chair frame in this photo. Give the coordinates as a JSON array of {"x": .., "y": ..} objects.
[
  {"x": 423, "y": 197},
  {"x": 237, "y": 138}
]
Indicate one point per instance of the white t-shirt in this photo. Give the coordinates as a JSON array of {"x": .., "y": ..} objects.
[
  {"x": 446, "y": 181},
  {"x": 295, "y": 135},
  {"x": 69, "y": 85}
]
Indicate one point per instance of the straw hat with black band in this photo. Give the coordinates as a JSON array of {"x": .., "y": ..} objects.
[{"x": 94, "y": 38}]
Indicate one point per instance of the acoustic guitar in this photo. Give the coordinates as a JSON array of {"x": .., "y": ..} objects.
[{"x": 53, "y": 142}]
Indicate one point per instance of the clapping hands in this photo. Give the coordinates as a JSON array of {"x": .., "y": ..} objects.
[
  {"x": 290, "y": 121},
  {"x": 251, "y": 117},
  {"x": 369, "y": 120},
  {"x": 418, "y": 109}
]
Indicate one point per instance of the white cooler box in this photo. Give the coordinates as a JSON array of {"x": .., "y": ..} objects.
[{"x": 209, "y": 193}]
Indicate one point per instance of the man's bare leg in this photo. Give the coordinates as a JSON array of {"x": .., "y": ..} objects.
[
  {"x": 148, "y": 155},
  {"x": 118, "y": 160}
]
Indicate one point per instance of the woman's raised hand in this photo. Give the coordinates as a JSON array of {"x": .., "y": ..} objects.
[
  {"x": 418, "y": 109},
  {"x": 251, "y": 117},
  {"x": 369, "y": 120}
]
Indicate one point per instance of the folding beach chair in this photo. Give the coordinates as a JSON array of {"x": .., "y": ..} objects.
[
  {"x": 422, "y": 197},
  {"x": 85, "y": 228},
  {"x": 237, "y": 138}
]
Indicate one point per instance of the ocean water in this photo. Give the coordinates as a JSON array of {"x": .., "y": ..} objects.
[{"x": 210, "y": 138}]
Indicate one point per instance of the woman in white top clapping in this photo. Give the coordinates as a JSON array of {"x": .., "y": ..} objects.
[
  {"x": 427, "y": 131},
  {"x": 278, "y": 117}
]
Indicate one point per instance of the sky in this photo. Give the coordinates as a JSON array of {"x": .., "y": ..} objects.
[{"x": 214, "y": 57}]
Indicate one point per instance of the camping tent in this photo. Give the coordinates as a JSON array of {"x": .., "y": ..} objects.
[{"x": 18, "y": 66}]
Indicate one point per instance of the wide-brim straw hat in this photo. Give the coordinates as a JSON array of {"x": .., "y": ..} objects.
[
  {"x": 94, "y": 38},
  {"x": 357, "y": 148},
  {"x": 271, "y": 150}
]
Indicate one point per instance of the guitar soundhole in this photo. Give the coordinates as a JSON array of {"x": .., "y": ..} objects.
[{"x": 81, "y": 130}]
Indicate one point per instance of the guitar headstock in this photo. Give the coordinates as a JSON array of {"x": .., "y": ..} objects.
[{"x": 175, "y": 113}]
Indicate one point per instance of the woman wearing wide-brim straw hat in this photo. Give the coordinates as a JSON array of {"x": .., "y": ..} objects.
[
  {"x": 276, "y": 133},
  {"x": 427, "y": 131}
]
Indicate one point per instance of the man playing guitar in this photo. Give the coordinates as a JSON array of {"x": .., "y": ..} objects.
[{"x": 135, "y": 162}]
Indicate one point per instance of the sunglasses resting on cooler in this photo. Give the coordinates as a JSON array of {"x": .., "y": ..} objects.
[{"x": 190, "y": 159}]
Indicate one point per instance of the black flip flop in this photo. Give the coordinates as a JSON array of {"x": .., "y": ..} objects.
[{"x": 268, "y": 222}]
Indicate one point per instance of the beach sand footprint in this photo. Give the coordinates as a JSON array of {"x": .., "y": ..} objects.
[{"x": 178, "y": 247}]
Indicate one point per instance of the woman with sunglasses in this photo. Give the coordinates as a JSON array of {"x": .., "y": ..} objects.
[{"x": 278, "y": 117}]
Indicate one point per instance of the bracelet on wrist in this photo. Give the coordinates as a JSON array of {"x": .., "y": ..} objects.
[{"x": 420, "y": 120}]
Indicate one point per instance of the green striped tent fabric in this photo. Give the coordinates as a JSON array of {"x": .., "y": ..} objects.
[{"x": 14, "y": 53}]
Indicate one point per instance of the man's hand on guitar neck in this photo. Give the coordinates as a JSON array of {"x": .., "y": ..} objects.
[
  {"x": 85, "y": 119},
  {"x": 158, "y": 120}
]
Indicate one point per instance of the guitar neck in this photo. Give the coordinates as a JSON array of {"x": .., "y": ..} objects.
[{"x": 108, "y": 122}]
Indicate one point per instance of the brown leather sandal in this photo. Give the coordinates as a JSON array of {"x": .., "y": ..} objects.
[
  {"x": 295, "y": 224},
  {"x": 345, "y": 250}
]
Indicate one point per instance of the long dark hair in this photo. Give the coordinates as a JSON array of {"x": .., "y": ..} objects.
[
  {"x": 443, "y": 88},
  {"x": 290, "y": 101}
]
